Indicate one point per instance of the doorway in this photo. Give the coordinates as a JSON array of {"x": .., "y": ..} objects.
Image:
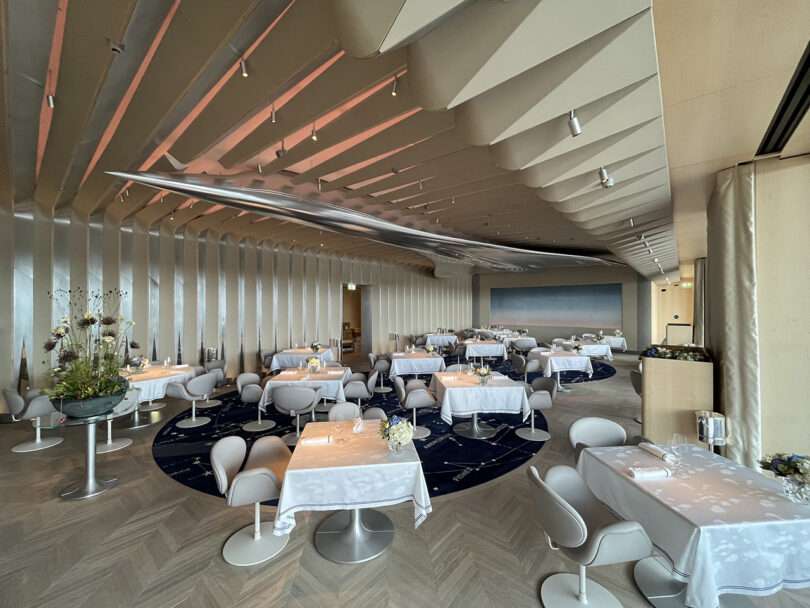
[{"x": 352, "y": 325}]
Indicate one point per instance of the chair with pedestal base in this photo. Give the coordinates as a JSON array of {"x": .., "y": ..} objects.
[
  {"x": 259, "y": 480},
  {"x": 216, "y": 367},
  {"x": 250, "y": 392},
  {"x": 382, "y": 366},
  {"x": 583, "y": 529},
  {"x": 294, "y": 401},
  {"x": 355, "y": 389},
  {"x": 522, "y": 366},
  {"x": 415, "y": 399},
  {"x": 541, "y": 398},
  {"x": 343, "y": 411},
  {"x": 127, "y": 405},
  {"x": 196, "y": 389},
  {"x": 593, "y": 432},
  {"x": 33, "y": 407},
  {"x": 375, "y": 413}
]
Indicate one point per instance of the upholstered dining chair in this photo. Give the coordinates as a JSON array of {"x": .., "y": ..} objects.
[
  {"x": 524, "y": 345},
  {"x": 294, "y": 401},
  {"x": 196, "y": 389},
  {"x": 125, "y": 406},
  {"x": 32, "y": 407},
  {"x": 267, "y": 358},
  {"x": 248, "y": 385},
  {"x": 356, "y": 389},
  {"x": 582, "y": 529},
  {"x": 415, "y": 399},
  {"x": 259, "y": 480},
  {"x": 544, "y": 390},
  {"x": 375, "y": 413},
  {"x": 383, "y": 366},
  {"x": 344, "y": 411},
  {"x": 216, "y": 367},
  {"x": 420, "y": 340},
  {"x": 522, "y": 366},
  {"x": 458, "y": 351},
  {"x": 457, "y": 367},
  {"x": 592, "y": 432}
]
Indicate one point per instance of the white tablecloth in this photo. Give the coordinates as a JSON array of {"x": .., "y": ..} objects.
[
  {"x": 564, "y": 361},
  {"x": 462, "y": 394},
  {"x": 329, "y": 379},
  {"x": 616, "y": 342},
  {"x": 403, "y": 364},
  {"x": 724, "y": 528},
  {"x": 355, "y": 471},
  {"x": 596, "y": 350},
  {"x": 488, "y": 348},
  {"x": 293, "y": 356},
  {"x": 507, "y": 341},
  {"x": 154, "y": 380},
  {"x": 442, "y": 340}
]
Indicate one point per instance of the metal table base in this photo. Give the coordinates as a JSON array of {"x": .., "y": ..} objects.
[
  {"x": 91, "y": 486},
  {"x": 354, "y": 537},
  {"x": 474, "y": 429},
  {"x": 141, "y": 419}
]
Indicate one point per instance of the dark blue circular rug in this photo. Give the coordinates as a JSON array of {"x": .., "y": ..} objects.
[{"x": 451, "y": 463}]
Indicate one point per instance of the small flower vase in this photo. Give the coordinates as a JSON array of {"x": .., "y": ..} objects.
[
  {"x": 394, "y": 446},
  {"x": 795, "y": 490},
  {"x": 313, "y": 369},
  {"x": 483, "y": 380}
]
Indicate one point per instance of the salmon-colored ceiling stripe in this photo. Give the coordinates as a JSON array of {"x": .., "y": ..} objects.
[
  {"x": 112, "y": 127},
  {"x": 365, "y": 163},
  {"x": 46, "y": 112}
]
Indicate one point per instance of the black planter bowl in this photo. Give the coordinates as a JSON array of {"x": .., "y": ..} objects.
[{"x": 87, "y": 408}]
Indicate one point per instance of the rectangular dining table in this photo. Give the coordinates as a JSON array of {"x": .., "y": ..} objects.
[
  {"x": 329, "y": 379},
  {"x": 353, "y": 473},
  {"x": 719, "y": 527},
  {"x": 484, "y": 349},
  {"x": 594, "y": 349},
  {"x": 292, "y": 357},
  {"x": 616, "y": 342},
  {"x": 555, "y": 362},
  {"x": 441, "y": 340},
  {"x": 403, "y": 364}
]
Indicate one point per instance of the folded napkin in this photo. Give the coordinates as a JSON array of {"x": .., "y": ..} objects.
[
  {"x": 359, "y": 425},
  {"x": 649, "y": 473},
  {"x": 335, "y": 372},
  {"x": 659, "y": 453},
  {"x": 322, "y": 440},
  {"x": 397, "y": 354}
]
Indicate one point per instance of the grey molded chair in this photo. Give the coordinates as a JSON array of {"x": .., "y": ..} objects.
[
  {"x": 356, "y": 389},
  {"x": 250, "y": 392},
  {"x": 414, "y": 384},
  {"x": 33, "y": 407},
  {"x": 457, "y": 367},
  {"x": 524, "y": 345},
  {"x": 592, "y": 432},
  {"x": 544, "y": 390},
  {"x": 583, "y": 529},
  {"x": 459, "y": 351},
  {"x": 294, "y": 401},
  {"x": 125, "y": 406},
  {"x": 382, "y": 366},
  {"x": 415, "y": 399},
  {"x": 344, "y": 411},
  {"x": 196, "y": 389},
  {"x": 267, "y": 358},
  {"x": 259, "y": 480},
  {"x": 522, "y": 366},
  {"x": 375, "y": 413},
  {"x": 420, "y": 340},
  {"x": 216, "y": 367}
]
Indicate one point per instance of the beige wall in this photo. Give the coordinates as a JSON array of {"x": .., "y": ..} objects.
[
  {"x": 670, "y": 301},
  {"x": 783, "y": 301},
  {"x": 591, "y": 275}
]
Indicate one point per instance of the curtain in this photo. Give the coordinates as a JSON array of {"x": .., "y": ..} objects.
[
  {"x": 733, "y": 335},
  {"x": 699, "y": 307}
]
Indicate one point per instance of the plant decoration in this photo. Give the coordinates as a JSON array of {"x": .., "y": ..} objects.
[
  {"x": 483, "y": 373},
  {"x": 429, "y": 348},
  {"x": 314, "y": 364},
  {"x": 794, "y": 470},
  {"x": 678, "y": 353},
  {"x": 89, "y": 346},
  {"x": 315, "y": 347},
  {"x": 397, "y": 432},
  {"x": 618, "y": 333}
]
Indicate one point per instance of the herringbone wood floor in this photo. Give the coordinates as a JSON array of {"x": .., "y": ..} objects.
[{"x": 154, "y": 543}]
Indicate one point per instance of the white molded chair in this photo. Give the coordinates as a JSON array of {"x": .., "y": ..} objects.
[
  {"x": 260, "y": 480},
  {"x": 125, "y": 406},
  {"x": 522, "y": 366},
  {"x": 344, "y": 411},
  {"x": 294, "y": 401},
  {"x": 524, "y": 345},
  {"x": 457, "y": 367},
  {"x": 544, "y": 390},
  {"x": 356, "y": 389},
  {"x": 196, "y": 389},
  {"x": 250, "y": 392},
  {"x": 375, "y": 413},
  {"x": 592, "y": 432},
  {"x": 33, "y": 407},
  {"x": 583, "y": 529},
  {"x": 415, "y": 399},
  {"x": 382, "y": 366}
]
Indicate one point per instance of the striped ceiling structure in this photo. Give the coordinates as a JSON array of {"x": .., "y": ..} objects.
[{"x": 381, "y": 107}]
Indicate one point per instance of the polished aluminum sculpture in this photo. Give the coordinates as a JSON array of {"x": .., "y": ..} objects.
[{"x": 326, "y": 216}]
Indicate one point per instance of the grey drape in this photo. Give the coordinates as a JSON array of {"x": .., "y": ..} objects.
[
  {"x": 699, "y": 308},
  {"x": 732, "y": 317}
]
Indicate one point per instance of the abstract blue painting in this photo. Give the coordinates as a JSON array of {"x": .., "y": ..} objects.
[{"x": 589, "y": 306}]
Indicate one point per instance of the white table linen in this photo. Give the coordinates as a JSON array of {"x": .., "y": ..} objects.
[
  {"x": 723, "y": 527},
  {"x": 484, "y": 348},
  {"x": 507, "y": 341},
  {"x": 354, "y": 471},
  {"x": 329, "y": 379},
  {"x": 616, "y": 342},
  {"x": 592, "y": 349},
  {"x": 153, "y": 381},
  {"x": 292, "y": 357},
  {"x": 462, "y": 394},
  {"x": 442, "y": 340},
  {"x": 564, "y": 361},
  {"x": 403, "y": 364}
]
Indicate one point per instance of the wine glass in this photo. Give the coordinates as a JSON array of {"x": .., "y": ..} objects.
[{"x": 677, "y": 445}]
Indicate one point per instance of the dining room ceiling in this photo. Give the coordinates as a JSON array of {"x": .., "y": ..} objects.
[{"x": 386, "y": 108}]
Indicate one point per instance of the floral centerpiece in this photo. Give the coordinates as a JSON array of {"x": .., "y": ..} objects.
[
  {"x": 794, "y": 470},
  {"x": 483, "y": 373},
  {"x": 315, "y": 347},
  {"x": 90, "y": 351},
  {"x": 679, "y": 353},
  {"x": 618, "y": 333},
  {"x": 397, "y": 432},
  {"x": 429, "y": 348},
  {"x": 314, "y": 364}
]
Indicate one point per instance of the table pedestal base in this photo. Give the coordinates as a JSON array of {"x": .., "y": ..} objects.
[
  {"x": 91, "y": 486},
  {"x": 474, "y": 429},
  {"x": 560, "y": 386},
  {"x": 354, "y": 537},
  {"x": 656, "y": 583}
]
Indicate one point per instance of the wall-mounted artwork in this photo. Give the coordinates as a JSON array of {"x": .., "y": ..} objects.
[{"x": 587, "y": 306}]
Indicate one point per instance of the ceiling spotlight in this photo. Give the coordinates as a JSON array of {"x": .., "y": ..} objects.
[
  {"x": 171, "y": 216},
  {"x": 51, "y": 102},
  {"x": 421, "y": 185},
  {"x": 395, "y": 87},
  {"x": 281, "y": 151},
  {"x": 273, "y": 114},
  {"x": 573, "y": 124},
  {"x": 351, "y": 286},
  {"x": 243, "y": 67},
  {"x": 655, "y": 260},
  {"x": 259, "y": 168},
  {"x": 320, "y": 185},
  {"x": 121, "y": 197},
  {"x": 604, "y": 178},
  {"x": 632, "y": 223},
  {"x": 314, "y": 135},
  {"x": 126, "y": 192}
]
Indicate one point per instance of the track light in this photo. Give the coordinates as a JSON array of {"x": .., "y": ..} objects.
[
  {"x": 171, "y": 216},
  {"x": 126, "y": 192},
  {"x": 632, "y": 223},
  {"x": 314, "y": 135},
  {"x": 259, "y": 168},
  {"x": 395, "y": 87},
  {"x": 573, "y": 124},
  {"x": 421, "y": 185},
  {"x": 281, "y": 151},
  {"x": 273, "y": 114},
  {"x": 320, "y": 185},
  {"x": 604, "y": 178},
  {"x": 51, "y": 102},
  {"x": 655, "y": 260},
  {"x": 243, "y": 67}
]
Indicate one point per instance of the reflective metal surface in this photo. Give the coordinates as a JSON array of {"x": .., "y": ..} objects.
[{"x": 325, "y": 216}]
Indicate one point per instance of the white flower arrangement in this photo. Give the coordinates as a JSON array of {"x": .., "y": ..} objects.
[
  {"x": 396, "y": 431},
  {"x": 483, "y": 373},
  {"x": 430, "y": 348},
  {"x": 618, "y": 333},
  {"x": 314, "y": 363}
]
